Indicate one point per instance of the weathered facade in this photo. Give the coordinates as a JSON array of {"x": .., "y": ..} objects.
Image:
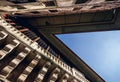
[
  {"x": 29, "y": 51},
  {"x": 24, "y": 56}
]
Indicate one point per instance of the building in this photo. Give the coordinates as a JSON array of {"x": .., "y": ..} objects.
[{"x": 29, "y": 50}]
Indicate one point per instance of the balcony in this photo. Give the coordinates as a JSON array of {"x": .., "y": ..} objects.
[{"x": 41, "y": 51}]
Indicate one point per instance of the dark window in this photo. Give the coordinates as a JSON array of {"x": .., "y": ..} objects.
[
  {"x": 53, "y": 11},
  {"x": 35, "y": 12},
  {"x": 80, "y": 1},
  {"x": 49, "y": 3},
  {"x": 95, "y": 6},
  {"x": 18, "y": 6}
]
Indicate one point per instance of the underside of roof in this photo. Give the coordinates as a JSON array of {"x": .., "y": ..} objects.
[{"x": 55, "y": 7}]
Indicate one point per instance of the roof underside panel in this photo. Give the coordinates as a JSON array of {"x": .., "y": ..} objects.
[
  {"x": 74, "y": 19},
  {"x": 63, "y": 7}
]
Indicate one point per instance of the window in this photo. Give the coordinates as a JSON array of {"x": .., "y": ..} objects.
[
  {"x": 49, "y": 3},
  {"x": 35, "y": 12},
  {"x": 80, "y": 1},
  {"x": 53, "y": 11}
]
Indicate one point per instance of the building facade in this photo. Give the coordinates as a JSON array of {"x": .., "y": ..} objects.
[{"x": 26, "y": 57}]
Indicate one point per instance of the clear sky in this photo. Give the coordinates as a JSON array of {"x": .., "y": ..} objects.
[{"x": 100, "y": 50}]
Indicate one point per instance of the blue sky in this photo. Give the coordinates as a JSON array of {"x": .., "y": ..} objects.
[{"x": 100, "y": 50}]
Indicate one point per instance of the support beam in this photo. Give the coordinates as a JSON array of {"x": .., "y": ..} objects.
[
  {"x": 92, "y": 2},
  {"x": 3, "y": 36},
  {"x": 87, "y": 27},
  {"x": 64, "y": 78},
  {"x": 54, "y": 75},
  {"x": 43, "y": 72}
]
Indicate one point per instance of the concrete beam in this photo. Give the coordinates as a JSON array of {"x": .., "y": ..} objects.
[{"x": 92, "y": 2}]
